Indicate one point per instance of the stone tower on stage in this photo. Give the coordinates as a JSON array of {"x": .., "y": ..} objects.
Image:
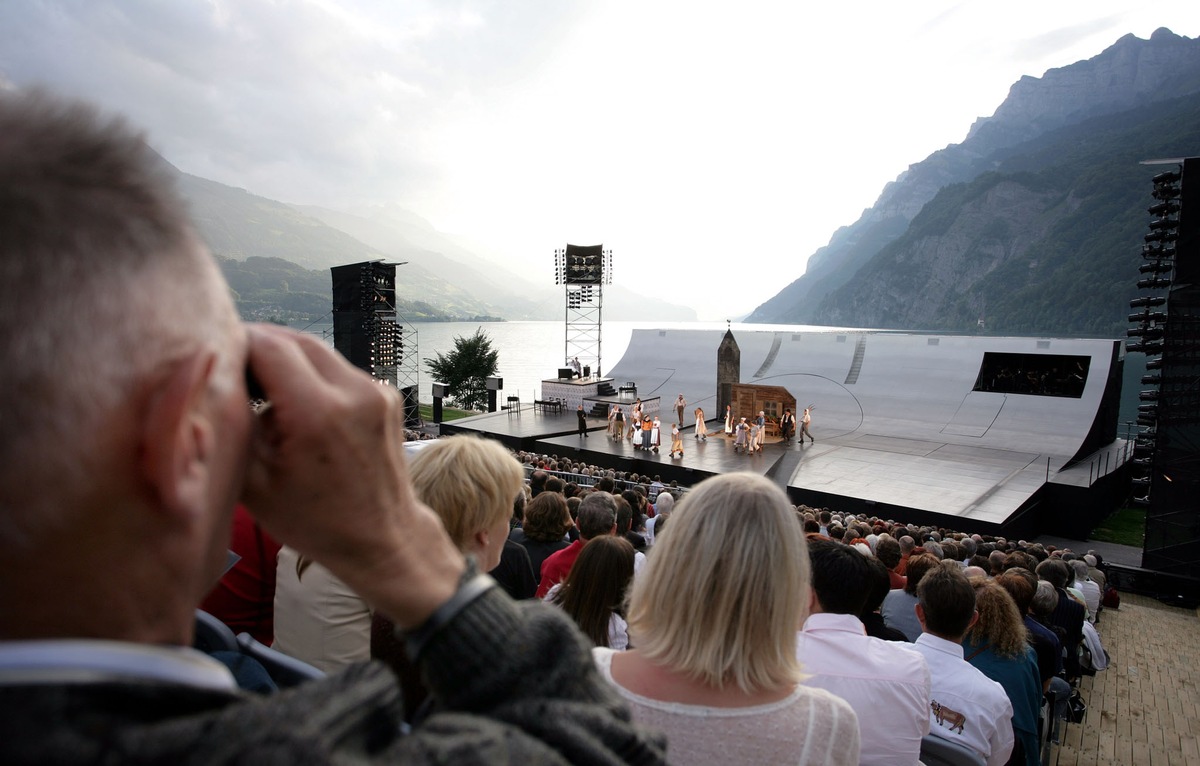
[{"x": 729, "y": 371}]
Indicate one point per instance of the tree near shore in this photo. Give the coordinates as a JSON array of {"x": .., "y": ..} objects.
[{"x": 466, "y": 368}]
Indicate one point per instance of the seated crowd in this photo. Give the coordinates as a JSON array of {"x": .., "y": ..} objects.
[
  {"x": 641, "y": 623},
  {"x": 959, "y": 636}
]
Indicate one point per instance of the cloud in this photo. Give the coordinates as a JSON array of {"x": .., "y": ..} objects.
[
  {"x": 706, "y": 142},
  {"x": 315, "y": 101},
  {"x": 1048, "y": 44}
]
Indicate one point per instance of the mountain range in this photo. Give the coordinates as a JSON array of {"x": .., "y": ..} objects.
[
  {"x": 1033, "y": 224},
  {"x": 277, "y": 256}
]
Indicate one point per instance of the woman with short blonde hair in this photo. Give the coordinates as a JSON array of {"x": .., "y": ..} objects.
[
  {"x": 714, "y": 616},
  {"x": 471, "y": 484}
]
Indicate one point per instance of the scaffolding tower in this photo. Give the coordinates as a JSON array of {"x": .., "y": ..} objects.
[{"x": 583, "y": 271}]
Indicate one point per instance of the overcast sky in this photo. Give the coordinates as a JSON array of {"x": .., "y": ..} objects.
[{"x": 712, "y": 145}]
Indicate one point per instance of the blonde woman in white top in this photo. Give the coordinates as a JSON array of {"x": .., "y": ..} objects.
[{"x": 714, "y": 619}]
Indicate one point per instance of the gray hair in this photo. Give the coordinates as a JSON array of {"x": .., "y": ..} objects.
[
  {"x": 103, "y": 285},
  {"x": 663, "y": 504},
  {"x": 1081, "y": 569},
  {"x": 1045, "y": 599},
  {"x": 597, "y": 514}
]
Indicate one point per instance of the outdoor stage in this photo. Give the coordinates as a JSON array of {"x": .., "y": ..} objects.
[{"x": 910, "y": 427}]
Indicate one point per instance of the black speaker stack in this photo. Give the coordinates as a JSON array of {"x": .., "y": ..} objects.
[{"x": 1166, "y": 328}]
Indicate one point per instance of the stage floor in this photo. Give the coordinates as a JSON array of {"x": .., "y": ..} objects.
[{"x": 556, "y": 434}]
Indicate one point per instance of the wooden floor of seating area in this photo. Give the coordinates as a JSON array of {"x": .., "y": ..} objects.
[{"x": 1145, "y": 709}]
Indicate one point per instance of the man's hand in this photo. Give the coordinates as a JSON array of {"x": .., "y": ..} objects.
[{"x": 327, "y": 477}]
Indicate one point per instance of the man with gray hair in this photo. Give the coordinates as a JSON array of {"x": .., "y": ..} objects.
[
  {"x": 127, "y": 438},
  {"x": 597, "y": 517}
]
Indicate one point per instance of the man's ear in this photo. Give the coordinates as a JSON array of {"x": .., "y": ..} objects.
[
  {"x": 974, "y": 619},
  {"x": 177, "y": 437},
  {"x": 920, "y": 614}
]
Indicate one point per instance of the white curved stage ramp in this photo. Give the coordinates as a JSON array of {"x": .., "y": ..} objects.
[
  {"x": 989, "y": 434},
  {"x": 900, "y": 420}
]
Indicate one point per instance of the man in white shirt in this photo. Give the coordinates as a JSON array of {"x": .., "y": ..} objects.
[
  {"x": 1090, "y": 590},
  {"x": 967, "y": 707},
  {"x": 886, "y": 683}
]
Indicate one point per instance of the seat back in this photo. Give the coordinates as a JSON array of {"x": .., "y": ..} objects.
[
  {"x": 285, "y": 671},
  {"x": 212, "y": 635},
  {"x": 936, "y": 751}
]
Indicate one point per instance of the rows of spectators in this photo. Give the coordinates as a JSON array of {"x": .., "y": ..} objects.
[{"x": 1011, "y": 611}]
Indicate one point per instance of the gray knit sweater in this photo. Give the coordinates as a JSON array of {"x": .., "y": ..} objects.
[{"x": 513, "y": 683}]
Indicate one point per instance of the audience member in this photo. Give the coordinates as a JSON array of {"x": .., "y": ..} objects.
[
  {"x": 887, "y": 550},
  {"x": 967, "y": 707},
  {"x": 1022, "y": 584},
  {"x": 594, "y": 592},
  {"x": 886, "y": 683},
  {"x": 318, "y": 618},
  {"x": 625, "y": 517},
  {"x": 1068, "y": 615},
  {"x": 537, "y": 482},
  {"x": 907, "y": 545},
  {"x": 597, "y": 516},
  {"x": 1094, "y": 572},
  {"x": 877, "y": 590},
  {"x": 514, "y": 573},
  {"x": 119, "y": 483},
  {"x": 547, "y": 520},
  {"x": 996, "y": 644},
  {"x": 714, "y": 663},
  {"x": 1090, "y": 590},
  {"x": 470, "y": 483},
  {"x": 663, "y": 506},
  {"x": 899, "y": 606}
]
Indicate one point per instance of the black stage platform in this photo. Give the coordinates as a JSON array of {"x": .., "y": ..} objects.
[{"x": 903, "y": 430}]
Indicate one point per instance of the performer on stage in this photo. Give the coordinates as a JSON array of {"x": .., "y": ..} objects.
[
  {"x": 618, "y": 430},
  {"x": 579, "y": 413},
  {"x": 701, "y": 426},
  {"x": 804, "y": 423},
  {"x": 680, "y": 403},
  {"x": 761, "y": 422},
  {"x": 656, "y": 434},
  {"x": 728, "y": 420},
  {"x": 676, "y": 441},
  {"x": 787, "y": 426}
]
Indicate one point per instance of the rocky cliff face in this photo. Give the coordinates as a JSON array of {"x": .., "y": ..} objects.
[
  {"x": 1047, "y": 243},
  {"x": 1130, "y": 73},
  {"x": 931, "y": 276}
]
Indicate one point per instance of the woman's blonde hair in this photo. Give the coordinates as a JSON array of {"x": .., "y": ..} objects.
[
  {"x": 471, "y": 483},
  {"x": 999, "y": 626},
  {"x": 723, "y": 594}
]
